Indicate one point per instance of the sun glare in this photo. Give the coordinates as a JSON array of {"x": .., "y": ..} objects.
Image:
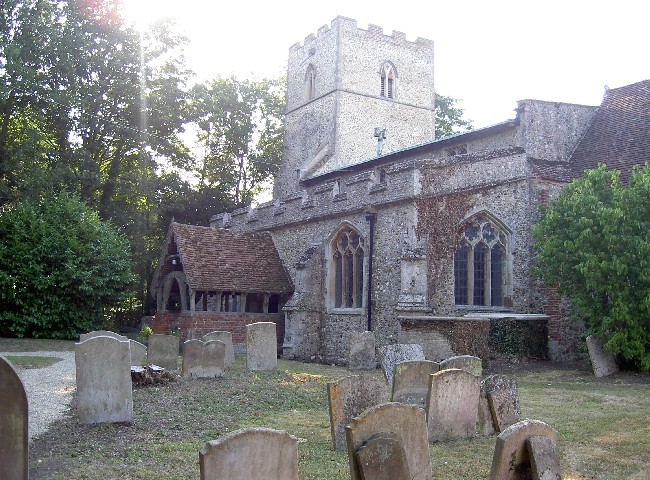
[{"x": 142, "y": 13}]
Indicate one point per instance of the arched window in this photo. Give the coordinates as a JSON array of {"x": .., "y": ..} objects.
[
  {"x": 310, "y": 83},
  {"x": 348, "y": 250},
  {"x": 480, "y": 264},
  {"x": 387, "y": 81}
]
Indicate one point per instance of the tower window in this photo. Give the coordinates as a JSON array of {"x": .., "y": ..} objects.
[
  {"x": 310, "y": 83},
  {"x": 387, "y": 81}
]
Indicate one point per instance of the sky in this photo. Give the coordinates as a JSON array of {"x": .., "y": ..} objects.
[{"x": 488, "y": 54}]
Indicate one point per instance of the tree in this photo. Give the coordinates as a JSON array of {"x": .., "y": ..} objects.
[
  {"x": 240, "y": 131},
  {"x": 593, "y": 243},
  {"x": 61, "y": 267},
  {"x": 449, "y": 118}
]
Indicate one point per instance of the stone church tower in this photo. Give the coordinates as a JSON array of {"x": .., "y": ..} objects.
[{"x": 353, "y": 95}]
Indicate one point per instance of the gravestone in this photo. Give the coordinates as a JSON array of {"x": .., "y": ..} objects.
[
  {"x": 14, "y": 438},
  {"x": 261, "y": 346},
  {"x": 389, "y": 355},
  {"x": 103, "y": 368},
  {"x": 411, "y": 381},
  {"x": 383, "y": 457},
  {"x": 602, "y": 361},
  {"x": 544, "y": 458},
  {"x": 361, "y": 351},
  {"x": 348, "y": 398},
  {"x": 101, "y": 333},
  {"x": 469, "y": 363},
  {"x": 503, "y": 399},
  {"x": 203, "y": 360},
  {"x": 512, "y": 459},
  {"x": 163, "y": 351},
  {"x": 251, "y": 453},
  {"x": 226, "y": 338},
  {"x": 452, "y": 405},
  {"x": 138, "y": 352},
  {"x": 485, "y": 424},
  {"x": 407, "y": 422}
]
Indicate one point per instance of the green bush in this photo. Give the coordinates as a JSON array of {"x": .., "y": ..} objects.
[
  {"x": 593, "y": 243},
  {"x": 60, "y": 267}
]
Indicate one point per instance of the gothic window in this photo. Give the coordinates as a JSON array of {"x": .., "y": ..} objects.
[
  {"x": 480, "y": 265},
  {"x": 347, "y": 264},
  {"x": 310, "y": 83},
  {"x": 387, "y": 81}
]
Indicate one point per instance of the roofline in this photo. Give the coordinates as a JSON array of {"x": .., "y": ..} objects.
[{"x": 417, "y": 149}]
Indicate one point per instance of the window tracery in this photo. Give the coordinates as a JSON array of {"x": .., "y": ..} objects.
[
  {"x": 348, "y": 251},
  {"x": 387, "y": 81}
]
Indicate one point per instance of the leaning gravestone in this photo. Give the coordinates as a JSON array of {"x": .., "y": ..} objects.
[
  {"x": 469, "y": 363},
  {"x": 103, "y": 368},
  {"x": 226, "y": 338},
  {"x": 544, "y": 459},
  {"x": 361, "y": 351},
  {"x": 203, "y": 360},
  {"x": 261, "y": 346},
  {"x": 512, "y": 452},
  {"x": 348, "y": 398},
  {"x": 452, "y": 405},
  {"x": 14, "y": 439},
  {"x": 503, "y": 400},
  {"x": 411, "y": 381},
  {"x": 389, "y": 355},
  {"x": 251, "y": 453},
  {"x": 407, "y": 422},
  {"x": 163, "y": 351},
  {"x": 138, "y": 353},
  {"x": 383, "y": 457},
  {"x": 602, "y": 360}
]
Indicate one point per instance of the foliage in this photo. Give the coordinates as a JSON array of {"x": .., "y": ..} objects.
[
  {"x": 593, "y": 243},
  {"x": 60, "y": 267},
  {"x": 449, "y": 118}
]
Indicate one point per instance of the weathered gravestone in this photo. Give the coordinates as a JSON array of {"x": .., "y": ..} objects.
[
  {"x": 138, "y": 352},
  {"x": 452, "y": 405},
  {"x": 485, "y": 424},
  {"x": 383, "y": 457},
  {"x": 203, "y": 360},
  {"x": 226, "y": 338},
  {"x": 348, "y": 398},
  {"x": 251, "y": 453},
  {"x": 103, "y": 368},
  {"x": 513, "y": 452},
  {"x": 469, "y": 363},
  {"x": 101, "y": 333},
  {"x": 411, "y": 381},
  {"x": 361, "y": 351},
  {"x": 163, "y": 351},
  {"x": 503, "y": 400},
  {"x": 407, "y": 422},
  {"x": 14, "y": 439},
  {"x": 389, "y": 355},
  {"x": 261, "y": 346},
  {"x": 602, "y": 361}
]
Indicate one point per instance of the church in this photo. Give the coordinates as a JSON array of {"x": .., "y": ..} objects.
[{"x": 375, "y": 225}]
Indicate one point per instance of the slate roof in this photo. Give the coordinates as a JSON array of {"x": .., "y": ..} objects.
[
  {"x": 619, "y": 135},
  {"x": 222, "y": 260}
]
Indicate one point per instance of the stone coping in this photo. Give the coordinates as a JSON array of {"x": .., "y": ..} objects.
[{"x": 473, "y": 317}]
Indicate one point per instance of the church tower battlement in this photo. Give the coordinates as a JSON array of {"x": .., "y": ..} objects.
[{"x": 353, "y": 95}]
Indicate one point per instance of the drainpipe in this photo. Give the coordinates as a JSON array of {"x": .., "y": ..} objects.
[{"x": 371, "y": 217}]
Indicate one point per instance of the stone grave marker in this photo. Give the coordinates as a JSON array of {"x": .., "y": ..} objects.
[
  {"x": 407, "y": 422},
  {"x": 411, "y": 381},
  {"x": 389, "y": 355},
  {"x": 383, "y": 457},
  {"x": 503, "y": 399},
  {"x": 544, "y": 458},
  {"x": 163, "y": 351},
  {"x": 251, "y": 453},
  {"x": 602, "y": 361},
  {"x": 203, "y": 359},
  {"x": 469, "y": 363},
  {"x": 226, "y": 338},
  {"x": 348, "y": 398},
  {"x": 485, "y": 424},
  {"x": 103, "y": 368},
  {"x": 138, "y": 352},
  {"x": 512, "y": 457},
  {"x": 14, "y": 438},
  {"x": 452, "y": 405},
  {"x": 361, "y": 351},
  {"x": 261, "y": 346},
  {"x": 101, "y": 333}
]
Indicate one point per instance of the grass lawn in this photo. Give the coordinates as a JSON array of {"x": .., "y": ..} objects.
[{"x": 603, "y": 425}]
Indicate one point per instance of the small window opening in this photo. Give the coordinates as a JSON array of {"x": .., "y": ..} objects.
[{"x": 387, "y": 81}]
